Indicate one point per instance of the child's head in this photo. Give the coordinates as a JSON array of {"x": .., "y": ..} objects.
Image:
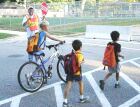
[
  {"x": 115, "y": 35},
  {"x": 77, "y": 45},
  {"x": 44, "y": 25}
]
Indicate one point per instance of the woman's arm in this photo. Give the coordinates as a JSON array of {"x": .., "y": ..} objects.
[{"x": 25, "y": 20}]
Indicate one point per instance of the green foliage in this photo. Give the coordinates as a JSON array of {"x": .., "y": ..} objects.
[
  {"x": 50, "y": 1},
  {"x": 5, "y": 35}
]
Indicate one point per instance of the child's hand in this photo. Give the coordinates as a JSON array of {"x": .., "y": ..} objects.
[
  {"x": 62, "y": 42},
  {"x": 122, "y": 57}
]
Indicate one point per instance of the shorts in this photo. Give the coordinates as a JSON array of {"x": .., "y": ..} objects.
[
  {"x": 116, "y": 69},
  {"x": 76, "y": 78}
]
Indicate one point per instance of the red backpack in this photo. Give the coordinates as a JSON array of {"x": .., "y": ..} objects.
[
  {"x": 71, "y": 63},
  {"x": 109, "y": 56}
]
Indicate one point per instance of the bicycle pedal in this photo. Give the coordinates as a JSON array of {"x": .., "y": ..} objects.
[
  {"x": 49, "y": 75},
  {"x": 45, "y": 81}
]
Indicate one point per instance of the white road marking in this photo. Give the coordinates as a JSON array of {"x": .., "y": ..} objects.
[
  {"x": 43, "y": 88},
  {"x": 130, "y": 60},
  {"x": 90, "y": 44},
  {"x": 27, "y": 94},
  {"x": 131, "y": 101},
  {"x": 15, "y": 102},
  {"x": 134, "y": 63},
  {"x": 58, "y": 95},
  {"x": 103, "y": 45},
  {"x": 99, "y": 93},
  {"x": 130, "y": 82},
  {"x": 91, "y": 71}
]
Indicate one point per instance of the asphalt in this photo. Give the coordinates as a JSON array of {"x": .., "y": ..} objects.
[{"x": 13, "y": 55}]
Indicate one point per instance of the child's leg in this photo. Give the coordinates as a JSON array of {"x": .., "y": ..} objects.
[
  {"x": 117, "y": 73},
  {"x": 102, "y": 82},
  {"x": 107, "y": 76},
  {"x": 117, "y": 76},
  {"x": 81, "y": 89},
  {"x": 117, "y": 80},
  {"x": 67, "y": 90},
  {"x": 83, "y": 99},
  {"x": 30, "y": 57}
]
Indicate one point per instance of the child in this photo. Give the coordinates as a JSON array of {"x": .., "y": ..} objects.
[
  {"x": 77, "y": 45},
  {"x": 117, "y": 49},
  {"x": 43, "y": 34}
]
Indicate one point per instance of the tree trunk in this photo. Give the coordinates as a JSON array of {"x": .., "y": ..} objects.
[{"x": 83, "y": 2}]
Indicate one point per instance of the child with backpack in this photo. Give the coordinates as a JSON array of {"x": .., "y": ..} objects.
[
  {"x": 111, "y": 59},
  {"x": 72, "y": 65},
  {"x": 43, "y": 34}
]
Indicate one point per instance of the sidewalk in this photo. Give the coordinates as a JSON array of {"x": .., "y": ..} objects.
[{"x": 20, "y": 36}]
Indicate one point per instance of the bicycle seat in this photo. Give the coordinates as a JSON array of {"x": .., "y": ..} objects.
[{"x": 39, "y": 53}]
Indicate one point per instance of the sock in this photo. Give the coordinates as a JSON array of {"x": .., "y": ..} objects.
[
  {"x": 117, "y": 82},
  {"x": 81, "y": 96},
  {"x": 66, "y": 100}
]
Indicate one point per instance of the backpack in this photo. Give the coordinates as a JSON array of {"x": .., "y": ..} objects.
[
  {"x": 32, "y": 43},
  {"x": 41, "y": 41},
  {"x": 71, "y": 63},
  {"x": 109, "y": 56}
]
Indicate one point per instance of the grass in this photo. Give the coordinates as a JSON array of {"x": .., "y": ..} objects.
[
  {"x": 81, "y": 27},
  {"x": 66, "y": 26},
  {"x": 5, "y": 35}
]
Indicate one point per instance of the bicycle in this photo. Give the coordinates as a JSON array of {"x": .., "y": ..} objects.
[{"x": 31, "y": 76}]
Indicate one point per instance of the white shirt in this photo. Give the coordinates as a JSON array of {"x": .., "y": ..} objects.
[{"x": 29, "y": 32}]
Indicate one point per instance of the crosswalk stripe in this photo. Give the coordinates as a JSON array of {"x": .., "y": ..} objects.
[
  {"x": 99, "y": 93},
  {"x": 88, "y": 75},
  {"x": 134, "y": 63},
  {"x": 58, "y": 95},
  {"x": 131, "y": 101},
  {"x": 27, "y": 93},
  {"x": 15, "y": 102},
  {"x": 130, "y": 82}
]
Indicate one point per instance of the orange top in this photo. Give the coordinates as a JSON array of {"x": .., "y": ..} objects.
[
  {"x": 33, "y": 22},
  {"x": 80, "y": 59}
]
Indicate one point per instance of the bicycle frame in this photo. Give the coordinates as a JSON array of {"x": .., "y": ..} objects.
[{"x": 52, "y": 58}]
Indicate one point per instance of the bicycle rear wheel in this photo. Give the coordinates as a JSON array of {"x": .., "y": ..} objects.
[
  {"x": 30, "y": 77},
  {"x": 60, "y": 70}
]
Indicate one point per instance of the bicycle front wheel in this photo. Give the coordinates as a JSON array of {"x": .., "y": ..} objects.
[
  {"x": 30, "y": 77},
  {"x": 60, "y": 70}
]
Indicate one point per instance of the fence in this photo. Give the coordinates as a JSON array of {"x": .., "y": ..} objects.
[{"x": 69, "y": 18}]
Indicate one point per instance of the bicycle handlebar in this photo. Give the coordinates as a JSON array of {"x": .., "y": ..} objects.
[{"x": 55, "y": 45}]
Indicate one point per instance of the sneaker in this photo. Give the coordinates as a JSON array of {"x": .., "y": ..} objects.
[
  {"x": 117, "y": 85},
  {"x": 66, "y": 104},
  {"x": 102, "y": 83},
  {"x": 84, "y": 100}
]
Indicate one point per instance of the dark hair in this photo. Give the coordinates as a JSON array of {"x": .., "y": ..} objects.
[
  {"x": 30, "y": 8},
  {"x": 76, "y": 44},
  {"x": 115, "y": 35}
]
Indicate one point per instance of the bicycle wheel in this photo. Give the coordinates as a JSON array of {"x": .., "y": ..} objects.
[
  {"x": 30, "y": 77},
  {"x": 60, "y": 70}
]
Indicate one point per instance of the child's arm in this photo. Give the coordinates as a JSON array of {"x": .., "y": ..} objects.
[
  {"x": 53, "y": 38},
  {"x": 80, "y": 60},
  {"x": 119, "y": 55}
]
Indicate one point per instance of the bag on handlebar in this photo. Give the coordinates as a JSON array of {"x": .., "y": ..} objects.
[{"x": 71, "y": 63}]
